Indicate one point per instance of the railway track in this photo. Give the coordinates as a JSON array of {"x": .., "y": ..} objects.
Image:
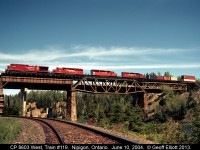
[
  {"x": 82, "y": 134},
  {"x": 52, "y": 135},
  {"x": 73, "y": 133}
]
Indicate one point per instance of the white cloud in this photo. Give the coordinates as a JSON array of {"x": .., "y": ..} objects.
[
  {"x": 89, "y": 66},
  {"x": 172, "y": 66},
  {"x": 104, "y": 58},
  {"x": 83, "y": 51},
  {"x": 90, "y": 57}
]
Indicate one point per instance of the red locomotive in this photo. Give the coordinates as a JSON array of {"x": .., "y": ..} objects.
[
  {"x": 17, "y": 67},
  {"x": 132, "y": 75},
  {"x": 103, "y": 73},
  {"x": 27, "y": 68},
  {"x": 74, "y": 71}
]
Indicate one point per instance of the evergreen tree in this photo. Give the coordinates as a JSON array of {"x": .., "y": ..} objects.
[
  {"x": 167, "y": 73},
  {"x": 159, "y": 73}
]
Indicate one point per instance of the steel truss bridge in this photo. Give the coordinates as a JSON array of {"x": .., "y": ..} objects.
[
  {"x": 123, "y": 86},
  {"x": 85, "y": 83}
]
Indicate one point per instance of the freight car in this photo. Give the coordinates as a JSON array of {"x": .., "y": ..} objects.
[
  {"x": 188, "y": 78},
  {"x": 103, "y": 73},
  {"x": 74, "y": 71},
  {"x": 165, "y": 78},
  {"x": 26, "y": 68}
]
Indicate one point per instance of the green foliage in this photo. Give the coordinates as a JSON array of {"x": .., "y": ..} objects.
[
  {"x": 171, "y": 105},
  {"x": 9, "y": 129},
  {"x": 176, "y": 107},
  {"x": 116, "y": 115},
  {"x": 135, "y": 118},
  {"x": 161, "y": 116},
  {"x": 172, "y": 110},
  {"x": 195, "y": 138},
  {"x": 159, "y": 73},
  {"x": 172, "y": 133},
  {"x": 109, "y": 110},
  {"x": 191, "y": 103},
  {"x": 112, "y": 111},
  {"x": 43, "y": 99},
  {"x": 152, "y": 73},
  {"x": 117, "y": 112},
  {"x": 167, "y": 73},
  {"x": 12, "y": 105},
  {"x": 105, "y": 123}
]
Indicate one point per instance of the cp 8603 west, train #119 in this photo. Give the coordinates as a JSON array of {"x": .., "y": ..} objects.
[{"x": 24, "y": 68}]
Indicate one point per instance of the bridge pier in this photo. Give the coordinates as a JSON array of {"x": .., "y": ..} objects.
[
  {"x": 1, "y": 98},
  {"x": 71, "y": 105},
  {"x": 134, "y": 99},
  {"x": 140, "y": 99},
  {"x": 23, "y": 100}
]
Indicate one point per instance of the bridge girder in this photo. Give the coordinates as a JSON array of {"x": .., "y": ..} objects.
[
  {"x": 114, "y": 86},
  {"x": 119, "y": 86},
  {"x": 161, "y": 85}
]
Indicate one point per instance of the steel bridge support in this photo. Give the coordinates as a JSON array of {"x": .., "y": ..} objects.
[
  {"x": 23, "y": 101},
  {"x": 1, "y": 98},
  {"x": 71, "y": 105}
]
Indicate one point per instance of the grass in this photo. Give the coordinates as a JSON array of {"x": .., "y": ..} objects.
[{"x": 9, "y": 129}]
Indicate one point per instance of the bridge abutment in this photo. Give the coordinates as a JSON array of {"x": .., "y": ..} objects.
[{"x": 71, "y": 105}]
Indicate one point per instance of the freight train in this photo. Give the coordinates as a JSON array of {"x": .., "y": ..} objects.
[{"x": 23, "y": 68}]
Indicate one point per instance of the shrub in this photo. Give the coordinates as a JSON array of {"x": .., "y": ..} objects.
[{"x": 9, "y": 129}]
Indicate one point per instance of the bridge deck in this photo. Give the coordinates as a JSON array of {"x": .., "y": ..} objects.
[
  {"x": 12, "y": 82},
  {"x": 88, "y": 84}
]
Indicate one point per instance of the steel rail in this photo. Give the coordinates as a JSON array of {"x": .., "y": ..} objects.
[
  {"x": 60, "y": 139},
  {"x": 110, "y": 136},
  {"x": 48, "y": 124}
]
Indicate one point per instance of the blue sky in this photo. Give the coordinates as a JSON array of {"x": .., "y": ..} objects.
[{"x": 119, "y": 35}]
